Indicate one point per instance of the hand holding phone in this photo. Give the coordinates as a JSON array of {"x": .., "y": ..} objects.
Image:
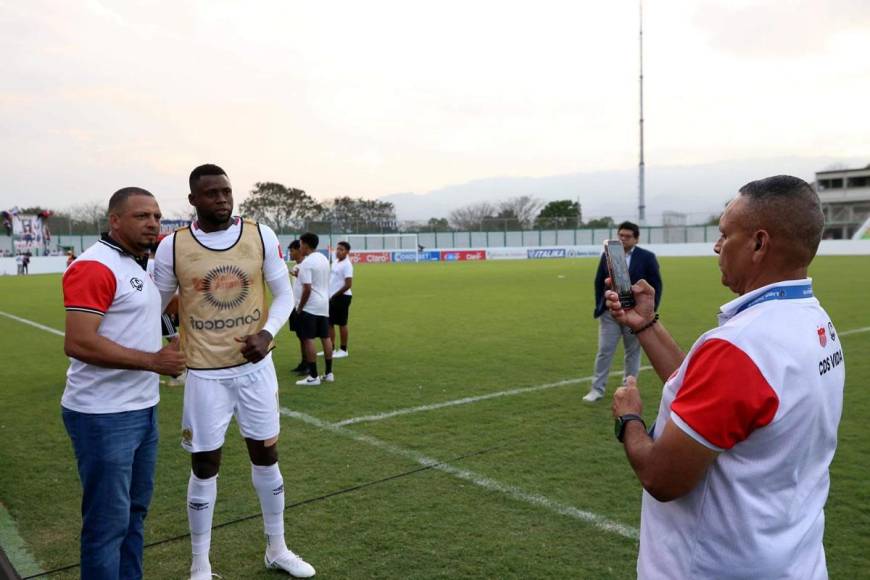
[{"x": 620, "y": 282}]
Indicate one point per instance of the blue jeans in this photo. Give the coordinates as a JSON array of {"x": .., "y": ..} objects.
[{"x": 116, "y": 455}]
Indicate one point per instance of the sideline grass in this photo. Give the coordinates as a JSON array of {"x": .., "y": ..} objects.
[{"x": 423, "y": 334}]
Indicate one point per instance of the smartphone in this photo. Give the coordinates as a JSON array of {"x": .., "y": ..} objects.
[{"x": 618, "y": 267}]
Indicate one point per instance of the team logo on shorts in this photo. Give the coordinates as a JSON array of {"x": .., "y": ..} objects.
[
  {"x": 137, "y": 284},
  {"x": 831, "y": 331},
  {"x": 226, "y": 286},
  {"x": 823, "y": 335},
  {"x": 186, "y": 436}
]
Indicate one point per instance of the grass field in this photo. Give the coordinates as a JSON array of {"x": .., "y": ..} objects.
[{"x": 526, "y": 485}]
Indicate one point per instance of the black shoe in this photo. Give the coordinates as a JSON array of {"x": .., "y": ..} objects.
[{"x": 301, "y": 369}]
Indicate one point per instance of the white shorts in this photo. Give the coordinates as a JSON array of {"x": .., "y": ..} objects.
[{"x": 210, "y": 404}]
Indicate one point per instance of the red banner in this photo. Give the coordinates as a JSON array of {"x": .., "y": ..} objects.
[{"x": 370, "y": 257}]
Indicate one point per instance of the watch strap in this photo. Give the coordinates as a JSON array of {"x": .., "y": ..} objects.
[{"x": 624, "y": 420}]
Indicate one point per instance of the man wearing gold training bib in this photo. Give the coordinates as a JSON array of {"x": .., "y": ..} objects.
[{"x": 221, "y": 265}]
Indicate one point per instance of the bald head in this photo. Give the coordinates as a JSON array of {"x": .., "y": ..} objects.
[{"x": 790, "y": 210}]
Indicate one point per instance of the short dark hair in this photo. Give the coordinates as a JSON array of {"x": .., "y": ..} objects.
[
  {"x": 630, "y": 226},
  {"x": 309, "y": 239},
  {"x": 345, "y": 245},
  {"x": 294, "y": 245},
  {"x": 788, "y": 208},
  {"x": 120, "y": 197},
  {"x": 207, "y": 169}
]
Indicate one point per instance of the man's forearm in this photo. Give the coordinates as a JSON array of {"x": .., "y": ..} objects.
[
  {"x": 303, "y": 300},
  {"x": 638, "y": 449},
  {"x": 102, "y": 352},
  {"x": 340, "y": 291},
  {"x": 662, "y": 350},
  {"x": 655, "y": 473},
  {"x": 281, "y": 306}
]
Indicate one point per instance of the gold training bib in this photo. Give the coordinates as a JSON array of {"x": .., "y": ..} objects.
[{"x": 222, "y": 296}]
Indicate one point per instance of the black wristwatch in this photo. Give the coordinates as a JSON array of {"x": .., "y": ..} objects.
[{"x": 622, "y": 421}]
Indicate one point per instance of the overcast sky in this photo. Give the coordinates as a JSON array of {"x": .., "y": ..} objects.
[{"x": 378, "y": 97}]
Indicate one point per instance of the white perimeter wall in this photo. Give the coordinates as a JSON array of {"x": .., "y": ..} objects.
[
  {"x": 45, "y": 265},
  {"x": 826, "y": 248}
]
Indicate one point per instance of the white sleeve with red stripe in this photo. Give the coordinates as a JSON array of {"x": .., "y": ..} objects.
[
  {"x": 88, "y": 286},
  {"x": 723, "y": 397}
]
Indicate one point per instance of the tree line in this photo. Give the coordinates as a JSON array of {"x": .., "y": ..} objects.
[
  {"x": 524, "y": 213},
  {"x": 289, "y": 210}
]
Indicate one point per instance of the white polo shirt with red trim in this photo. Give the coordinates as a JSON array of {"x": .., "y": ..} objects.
[
  {"x": 108, "y": 282},
  {"x": 765, "y": 390}
]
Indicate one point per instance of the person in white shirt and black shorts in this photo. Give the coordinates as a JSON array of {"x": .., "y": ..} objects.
[
  {"x": 296, "y": 257},
  {"x": 313, "y": 309},
  {"x": 340, "y": 283}
]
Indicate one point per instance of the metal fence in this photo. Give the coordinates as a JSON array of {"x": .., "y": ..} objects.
[
  {"x": 578, "y": 237},
  {"x": 497, "y": 239},
  {"x": 527, "y": 238}
]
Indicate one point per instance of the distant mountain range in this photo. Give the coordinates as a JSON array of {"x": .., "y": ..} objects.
[{"x": 697, "y": 190}]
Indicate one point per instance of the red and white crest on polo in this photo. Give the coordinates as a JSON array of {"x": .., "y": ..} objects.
[{"x": 823, "y": 335}]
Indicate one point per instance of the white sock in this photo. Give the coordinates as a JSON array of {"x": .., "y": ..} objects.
[
  {"x": 201, "y": 496},
  {"x": 269, "y": 485}
]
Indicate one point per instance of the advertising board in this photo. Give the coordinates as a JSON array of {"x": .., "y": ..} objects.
[
  {"x": 546, "y": 253},
  {"x": 463, "y": 255},
  {"x": 506, "y": 254},
  {"x": 371, "y": 257},
  {"x": 405, "y": 256},
  {"x": 430, "y": 256}
]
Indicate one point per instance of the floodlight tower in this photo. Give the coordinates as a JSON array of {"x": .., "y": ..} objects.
[{"x": 641, "y": 204}]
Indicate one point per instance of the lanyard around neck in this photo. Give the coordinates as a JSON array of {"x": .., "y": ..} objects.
[{"x": 780, "y": 293}]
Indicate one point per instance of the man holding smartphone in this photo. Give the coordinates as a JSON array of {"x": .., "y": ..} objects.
[
  {"x": 735, "y": 469},
  {"x": 642, "y": 265}
]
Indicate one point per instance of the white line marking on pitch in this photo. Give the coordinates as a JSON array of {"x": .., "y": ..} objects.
[
  {"x": 467, "y": 400},
  {"x": 477, "y": 479},
  {"x": 855, "y": 331},
  {"x": 31, "y": 323}
]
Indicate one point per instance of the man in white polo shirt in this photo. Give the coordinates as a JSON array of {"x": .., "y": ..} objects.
[
  {"x": 736, "y": 470},
  {"x": 109, "y": 405},
  {"x": 313, "y": 308}
]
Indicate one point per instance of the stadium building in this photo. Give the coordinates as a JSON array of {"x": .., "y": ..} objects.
[{"x": 845, "y": 196}]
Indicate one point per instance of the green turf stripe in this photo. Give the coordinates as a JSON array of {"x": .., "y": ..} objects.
[
  {"x": 468, "y": 400},
  {"x": 14, "y": 546},
  {"x": 601, "y": 522}
]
